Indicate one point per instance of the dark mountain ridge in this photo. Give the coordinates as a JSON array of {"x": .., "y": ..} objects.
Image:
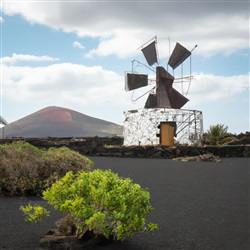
[{"x": 60, "y": 122}]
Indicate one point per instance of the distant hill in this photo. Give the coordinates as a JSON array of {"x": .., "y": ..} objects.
[{"x": 60, "y": 122}]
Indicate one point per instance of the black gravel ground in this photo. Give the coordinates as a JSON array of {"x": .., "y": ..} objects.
[{"x": 202, "y": 206}]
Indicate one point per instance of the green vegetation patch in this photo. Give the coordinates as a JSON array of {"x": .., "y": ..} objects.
[
  {"x": 28, "y": 170},
  {"x": 217, "y": 135},
  {"x": 98, "y": 201}
]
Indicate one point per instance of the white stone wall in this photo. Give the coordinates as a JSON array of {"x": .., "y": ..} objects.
[{"x": 141, "y": 126}]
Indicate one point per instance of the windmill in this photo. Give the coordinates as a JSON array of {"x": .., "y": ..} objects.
[
  {"x": 164, "y": 102},
  {"x": 163, "y": 95}
]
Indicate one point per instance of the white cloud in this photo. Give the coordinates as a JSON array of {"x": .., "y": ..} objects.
[
  {"x": 76, "y": 80},
  {"x": 217, "y": 27},
  {"x": 1, "y": 19},
  {"x": 15, "y": 58},
  {"x": 208, "y": 88},
  {"x": 78, "y": 45},
  {"x": 98, "y": 91}
]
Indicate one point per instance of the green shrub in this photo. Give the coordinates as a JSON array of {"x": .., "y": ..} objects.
[
  {"x": 218, "y": 135},
  {"x": 28, "y": 170},
  {"x": 101, "y": 201}
]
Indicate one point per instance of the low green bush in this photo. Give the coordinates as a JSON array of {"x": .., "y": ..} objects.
[
  {"x": 28, "y": 170},
  {"x": 217, "y": 135},
  {"x": 101, "y": 201}
]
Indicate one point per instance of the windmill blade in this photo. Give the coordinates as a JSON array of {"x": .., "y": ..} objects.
[
  {"x": 163, "y": 80},
  {"x": 151, "y": 101},
  {"x": 135, "y": 81},
  {"x": 164, "y": 76},
  {"x": 162, "y": 93},
  {"x": 178, "y": 56},
  {"x": 150, "y": 54},
  {"x": 177, "y": 100},
  {"x": 167, "y": 96}
]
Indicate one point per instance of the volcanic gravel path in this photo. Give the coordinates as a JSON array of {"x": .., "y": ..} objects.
[{"x": 198, "y": 205}]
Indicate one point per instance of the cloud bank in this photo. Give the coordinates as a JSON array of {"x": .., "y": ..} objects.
[{"x": 122, "y": 26}]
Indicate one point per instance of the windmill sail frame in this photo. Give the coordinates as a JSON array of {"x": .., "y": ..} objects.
[
  {"x": 165, "y": 96},
  {"x": 150, "y": 53},
  {"x": 178, "y": 56},
  {"x": 135, "y": 81}
]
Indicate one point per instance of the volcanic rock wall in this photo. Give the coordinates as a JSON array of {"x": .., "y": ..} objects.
[{"x": 113, "y": 147}]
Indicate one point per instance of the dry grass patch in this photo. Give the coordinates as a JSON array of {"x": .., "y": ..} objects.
[{"x": 28, "y": 170}]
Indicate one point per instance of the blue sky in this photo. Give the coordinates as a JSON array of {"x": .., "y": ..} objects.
[{"x": 74, "y": 54}]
